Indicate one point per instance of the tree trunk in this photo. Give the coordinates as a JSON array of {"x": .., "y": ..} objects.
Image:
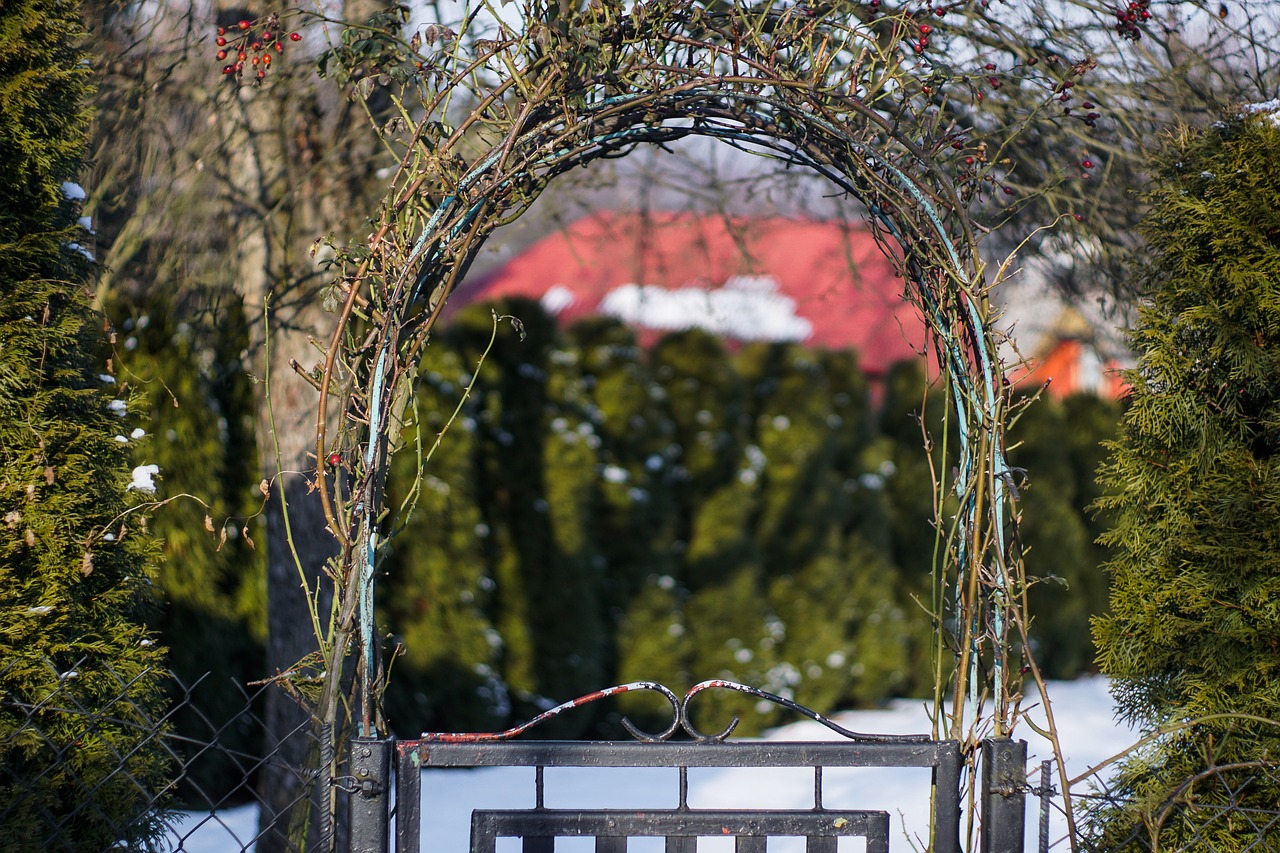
[
  {"x": 282, "y": 317},
  {"x": 288, "y": 128}
]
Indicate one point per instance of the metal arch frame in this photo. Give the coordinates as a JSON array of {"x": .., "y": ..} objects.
[
  {"x": 964, "y": 336},
  {"x": 427, "y": 238}
]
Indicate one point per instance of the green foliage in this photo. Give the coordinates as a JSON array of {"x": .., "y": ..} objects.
[
  {"x": 523, "y": 482},
  {"x": 635, "y": 516},
  {"x": 598, "y": 514},
  {"x": 1193, "y": 484},
  {"x": 838, "y": 624},
  {"x": 1060, "y": 447},
  {"x": 191, "y": 394},
  {"x": 912, "y": 416},
  {"x": 719, "y": 574},
  {"x": 556, "y": 541},
  {"x": 706, "y": 399},
  {"x": 438, "y": 585},
  {"x": 74, "y": 556},
  {"x": 43, "y": 86}
]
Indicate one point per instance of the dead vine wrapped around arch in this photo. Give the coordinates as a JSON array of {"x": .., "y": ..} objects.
[{"x": 486, "y": 117}]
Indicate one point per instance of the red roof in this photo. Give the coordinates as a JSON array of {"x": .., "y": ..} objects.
[{"x": 823, "y": 284}]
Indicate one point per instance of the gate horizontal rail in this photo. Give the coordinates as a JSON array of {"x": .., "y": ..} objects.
[
  {"x": 553, "y": 753},
  {"x": 681, "y": 827}
]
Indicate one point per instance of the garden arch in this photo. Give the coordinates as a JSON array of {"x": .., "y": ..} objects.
[{"x": 517, "y": 98}]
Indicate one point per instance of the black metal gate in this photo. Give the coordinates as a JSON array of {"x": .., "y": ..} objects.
[{"x": 1004, "y": 786}]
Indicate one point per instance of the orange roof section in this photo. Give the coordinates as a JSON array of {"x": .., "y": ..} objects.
[{"x": 1071, "y": 367}]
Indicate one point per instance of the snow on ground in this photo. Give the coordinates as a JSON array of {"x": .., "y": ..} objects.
[
  {"x": 1083, "y": 711},
  {"x": 227, "y": 831}
]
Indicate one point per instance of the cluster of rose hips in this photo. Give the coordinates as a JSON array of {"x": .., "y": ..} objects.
[
  {"x": 1064, "y": 94},
  {"x": 975, "y": 166},
  {"x": 977, "y": 182},
  {"x": 1127, "y": 19},
  {"x": 243, "y": 43},
  {"x": 920, "y": 42},
  {"x": 1090, "y": 118}
]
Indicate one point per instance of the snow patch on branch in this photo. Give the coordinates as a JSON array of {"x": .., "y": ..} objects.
[
  {"x": 143, "y": 479},
  {"x": 76, "y": 247},
  {"x": 1270, "y": 109}
]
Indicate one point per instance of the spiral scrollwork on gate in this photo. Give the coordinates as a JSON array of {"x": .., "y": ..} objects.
[{"x": 680, "y": 716}]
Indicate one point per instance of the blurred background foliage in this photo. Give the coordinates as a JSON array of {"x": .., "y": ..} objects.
[{"x": 599, "y": 512}]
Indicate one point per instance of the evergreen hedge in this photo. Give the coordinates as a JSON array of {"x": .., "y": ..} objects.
[
  {"x": 1193, "y": 485},
  {"x": 1059, "y": 443},
  {"x": 191, "y": 392},
  {"x": 79, "y": 672},
  {"x": 600, "y": 513}
]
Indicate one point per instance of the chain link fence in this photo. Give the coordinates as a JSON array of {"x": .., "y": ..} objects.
[{"x": 87, "y": 770}]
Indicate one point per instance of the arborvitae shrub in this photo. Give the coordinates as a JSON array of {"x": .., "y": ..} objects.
[
  {"x": 706, "y": 399},
  {"x": 533, "y": 473},
  {"x": 835, "y": 627},
  {"x": 899, "y": 488},
  {"x": 80, "y": 690},
  {"x": 210, "y": 581},
  {"x": 719, "y": 575},
  {"x": 1193, "y": 489},
  {"x": 635, "y": 522},
  {"x": 910, "y": 411}
]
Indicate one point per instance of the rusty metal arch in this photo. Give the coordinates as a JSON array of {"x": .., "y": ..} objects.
[{"x": 836, "y": 94}]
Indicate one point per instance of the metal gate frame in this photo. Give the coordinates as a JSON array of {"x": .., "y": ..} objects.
[{"x": 1003, "y": 789}]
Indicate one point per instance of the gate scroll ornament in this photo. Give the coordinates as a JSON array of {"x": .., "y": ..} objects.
[
  {"x": 679, "y": 716},
  {"x": 487, "y": 116}
]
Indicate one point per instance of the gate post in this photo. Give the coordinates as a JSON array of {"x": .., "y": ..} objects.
[
  {"x": 368, "y": 811},
  {"x": 1004, "y": 795}
]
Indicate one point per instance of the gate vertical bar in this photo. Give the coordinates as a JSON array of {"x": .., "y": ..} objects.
[
  {"x": 324, "y": 797},
  {"x": 1046, "y": 793},
  {"x": 408, "y": 799},
  {"x": 1004, "y": 795},
  {"x": 368, "y": 807},
  {"x": 946, "y": 798}
]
